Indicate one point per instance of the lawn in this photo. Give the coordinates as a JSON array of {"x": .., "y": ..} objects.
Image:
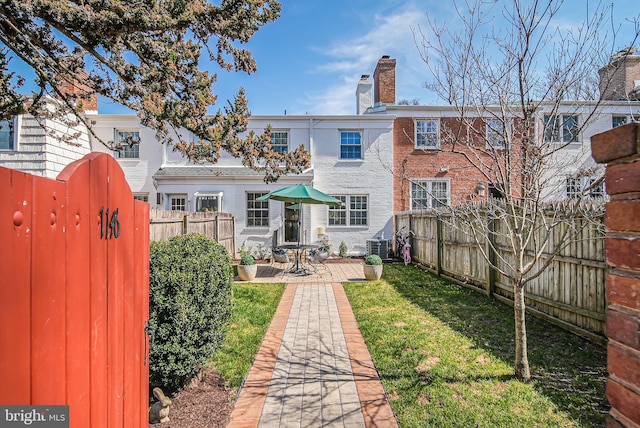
[
  {"x": 253, "y": 308},
  {"x": 445, "y": 354}
]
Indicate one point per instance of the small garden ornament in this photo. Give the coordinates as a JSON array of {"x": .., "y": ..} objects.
[
  {"x": 372, "y": 267},
  {"x": 159, "y": 411}
]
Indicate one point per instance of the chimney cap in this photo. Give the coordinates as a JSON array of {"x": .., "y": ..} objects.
[
  {"x": 364, "y": 77},
  {"x": 386, "y": 56}
]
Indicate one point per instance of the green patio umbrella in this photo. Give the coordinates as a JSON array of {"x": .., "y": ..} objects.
[{"x": 300, "y": 194}]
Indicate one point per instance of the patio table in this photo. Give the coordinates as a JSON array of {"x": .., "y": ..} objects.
[{"x": 298, "y": 268}]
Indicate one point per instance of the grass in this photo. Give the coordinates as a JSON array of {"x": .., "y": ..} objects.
[
  {"x": 445, "y": 354},
  {"x": 254, "y": 305}
]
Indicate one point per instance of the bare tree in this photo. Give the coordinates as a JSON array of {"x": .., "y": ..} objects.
[
  {"x": 146, "y": 56},
  {"x": 523, "y": 96}
]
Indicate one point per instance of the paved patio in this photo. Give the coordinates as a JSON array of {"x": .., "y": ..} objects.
[
  {"x": 313, "y": 368},
  {"x": 334, "y": 270}
]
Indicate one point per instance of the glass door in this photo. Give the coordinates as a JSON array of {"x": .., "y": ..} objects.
[{"x": 291, "y": 222}]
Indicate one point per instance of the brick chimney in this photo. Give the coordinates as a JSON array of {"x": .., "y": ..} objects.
[
  {"x": 384, "y": 81},
  {"x": 620, "y": 79},
  {"x": 82, "y": 94},
  {"x": 363, "y": 94}
]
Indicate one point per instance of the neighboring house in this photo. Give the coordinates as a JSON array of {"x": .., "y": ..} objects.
[
  {"x": 345, "y": 163},
  {"x": 26, "y": 146},
  {"x": 428, "y": 175}
]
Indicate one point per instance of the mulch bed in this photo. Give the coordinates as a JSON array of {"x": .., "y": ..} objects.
[{"x": 204, "y": 403}]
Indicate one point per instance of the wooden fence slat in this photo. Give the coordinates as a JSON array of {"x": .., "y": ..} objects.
[
  {"x": 141, "y": 299},
  {"x": 98, "y": 256},
  {"x": 15, "y": 305},
  {"x": 48, "y": 297},
  {"x": 119, "y": 275},
  {"x": 78, "y": 293}
]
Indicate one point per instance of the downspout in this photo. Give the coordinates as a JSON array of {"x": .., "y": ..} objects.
[{"x": 306, "y": 232}]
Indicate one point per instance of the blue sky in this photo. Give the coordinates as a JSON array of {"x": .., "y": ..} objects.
[{"x": 310, "y": 60}]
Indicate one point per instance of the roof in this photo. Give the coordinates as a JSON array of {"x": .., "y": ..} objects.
[{"x": 180, "y": 172}]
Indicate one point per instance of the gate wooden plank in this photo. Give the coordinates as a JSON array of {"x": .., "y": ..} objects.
[
  {"x": 122, "y": 265},
  {"x": 48, "y": 371},
  {"x": 78, "y": 272},
  {"x": 141, "y": 284},
  {"x": 98, "y": 252},
  {"x": 119, "y": 279},
  {"x": 15, "y": 278}
]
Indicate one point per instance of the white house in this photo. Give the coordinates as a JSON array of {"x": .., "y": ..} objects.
[{"x": 347, "y": 154}]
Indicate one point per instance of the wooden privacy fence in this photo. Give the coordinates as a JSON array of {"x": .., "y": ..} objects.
[
  {"x": 75, "y": 293},
  {"x": 569, "y": 293},
  {"x": 217, "y": 226}
]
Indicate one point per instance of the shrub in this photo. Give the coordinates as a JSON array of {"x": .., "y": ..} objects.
[
  {"x": 342, "y": 249},
  {"x": 191, "y": 280},
  {"x": 247, "y": 260},
  {"x": 373, "y": 259}
]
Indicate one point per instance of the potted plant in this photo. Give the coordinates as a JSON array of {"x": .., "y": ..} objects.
[
  {"x": 247, "y": 269},
  {"x": 372, "y": 267}
]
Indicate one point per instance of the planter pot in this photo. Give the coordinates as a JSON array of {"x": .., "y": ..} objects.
[
  {"x": 322, "y": 256},
  {"x": 247, "y": 272},
  {"x": 372, "y": 272}
]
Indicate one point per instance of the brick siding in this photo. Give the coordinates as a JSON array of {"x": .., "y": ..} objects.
[{"x": 620, "y": 149}]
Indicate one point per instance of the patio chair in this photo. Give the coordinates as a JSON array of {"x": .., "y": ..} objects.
[
  {"x": 316, "y": 262},
  {"x": 279, "y": 255}
]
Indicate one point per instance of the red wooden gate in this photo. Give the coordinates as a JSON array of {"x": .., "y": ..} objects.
[{"x": 74, "y": 283}]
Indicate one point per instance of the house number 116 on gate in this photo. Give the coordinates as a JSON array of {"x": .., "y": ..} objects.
[{"x": 109, "y": 227}]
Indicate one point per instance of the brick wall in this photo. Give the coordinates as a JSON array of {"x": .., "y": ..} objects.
[
  {"x": 412, "y": 163},
  {"x": 619, "y": 148},
  {"x": 384, "y": 81},
  {"x": 617, "y": 79}
]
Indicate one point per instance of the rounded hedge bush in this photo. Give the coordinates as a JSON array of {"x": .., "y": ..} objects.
[
  {"x": 373, "y": 259},
  {"x": 247, "y": 260},
  {"x": 191, "y": 280}
]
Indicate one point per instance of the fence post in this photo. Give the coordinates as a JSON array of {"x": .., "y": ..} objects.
[
  {"x": 185, "y": 224},
  {"x": 491, "y": 255},
  {"x": 216, "y": 226},
  {"x": 438, "y": 245}
]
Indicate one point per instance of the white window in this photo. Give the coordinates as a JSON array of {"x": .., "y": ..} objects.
[
  {"x": 561, "y": 129},
  {"x": 208, "y": 202},
  {"x": 584, "y": 187},
  {"x": 127, "y": 144},
  {"x": 257, "y": 211},
  {"x": 496, "y": 134},
  {"x": 178, "y": 202},
  {"x": 350, "y": 145},
  {"x": 619, "y": 120},
  {"x": 427, "y": 133},
  {"x": 144, "y": 197},
  {"x": 9, "y": 134},
  {"x": 280, "y": 141},
  {"x": 429, "y": 194},
  {"x": 354, "y": 211}
]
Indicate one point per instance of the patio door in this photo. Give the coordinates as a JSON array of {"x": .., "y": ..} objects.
[{"x": 291, "y": 222}]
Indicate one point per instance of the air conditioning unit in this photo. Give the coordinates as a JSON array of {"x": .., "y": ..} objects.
[{"x": 379, "y": 247}]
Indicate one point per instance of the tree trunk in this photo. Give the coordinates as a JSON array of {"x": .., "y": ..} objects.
[{"x": 522, "y": 371}]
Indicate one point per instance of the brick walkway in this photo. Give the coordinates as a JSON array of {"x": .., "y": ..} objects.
[{"x": 313, "y": 368}]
